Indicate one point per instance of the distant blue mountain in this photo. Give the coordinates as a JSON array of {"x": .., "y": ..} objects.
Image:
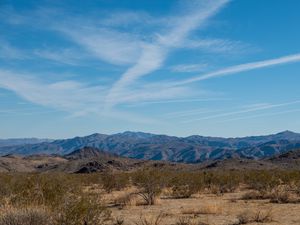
[
  {"x": 190, "y": 149},
  {"x": 22, "y": 141}
]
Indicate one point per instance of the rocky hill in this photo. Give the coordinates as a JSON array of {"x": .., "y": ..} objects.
[
  {"x": 89, "y": 160},
  {"x": 83, "y": 160}
]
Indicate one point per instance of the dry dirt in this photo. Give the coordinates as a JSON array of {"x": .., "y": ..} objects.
[{"x": 206, "y": 208}]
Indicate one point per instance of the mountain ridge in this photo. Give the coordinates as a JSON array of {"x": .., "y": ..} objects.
[
  {"x": 191, "y": 149},
  {"x": 89, "y": 160},
  {"x": 18, "y": 141}
]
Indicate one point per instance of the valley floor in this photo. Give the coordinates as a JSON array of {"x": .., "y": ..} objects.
[{"x": 227, "y": 209}]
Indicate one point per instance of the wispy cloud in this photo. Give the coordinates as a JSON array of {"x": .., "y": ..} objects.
[
  {"x": 243, "y": 68},
  {"x": 188, "y": 68},
  {"x": 106, "y": 39},
  {"x": 154, "y": 54},
  {"x": 76, "y": 98},
  {"x": 66, "y": 95},
  {"x": 171, "y": 101},
  {"x": 262, "y": 115},
  {"x": 189, "y": 113},
  {"x": 24, "y": 112},
  {"x": 248, "y": 110},
  {"x": 145, "y": 95},
  {"x": 109, "y": 45},
  {"x": 141, "y": 53},
  {"x": 218, "y": 45},
  {"x": 64, "y": 56}
]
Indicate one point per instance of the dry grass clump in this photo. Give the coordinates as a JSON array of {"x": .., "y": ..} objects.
[
  {"x": 188, "y": 221},
  {"x": 254, "y": 217},
  {"x": 25, "y": 216},
  {"x": 153, "y": 220}
]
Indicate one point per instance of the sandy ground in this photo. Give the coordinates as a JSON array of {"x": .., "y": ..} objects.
[{"x": 208, "y": 209}]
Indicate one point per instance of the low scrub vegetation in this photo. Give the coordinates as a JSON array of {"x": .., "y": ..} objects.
[{"x": 79, "y": 199}]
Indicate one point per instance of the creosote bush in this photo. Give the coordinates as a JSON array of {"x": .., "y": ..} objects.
[
  {"x": 86, "y": 210},
  {"x": 112, "y": 181},
  {"x": 150, "y": 182}
]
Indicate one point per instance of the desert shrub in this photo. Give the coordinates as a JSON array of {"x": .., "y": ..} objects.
[
  {"x": 228, "y": 183},
  {"x": 185, "y": 184},
  {"x": 297, "y": 188},
  {"x": 5, "y": 189},
  {"x": 183, "y": 191},
  {"x": 253, "y": 195},
  {"x": 280, "y": 196},
  {"x": 125, "y": 200},
  {"x": 27, "y": 216},
  {"x": 222, "y": 182},
  {"x": 114, "y": 181},
  {"x": 63, "y": 195},
  {"x": 41, "y": 189},
  {"x": 85, "y": 209},
  {"x": 263, "y": 181},
  {"x": 150, "y": 183},
  {"x": 289, "y": 177}
]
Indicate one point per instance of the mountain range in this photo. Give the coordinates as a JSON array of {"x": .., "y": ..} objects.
[
  {"x": 21, "y": 141},
  {"x": 89, "y": 160},
  {"x": 139, "y": 145}
]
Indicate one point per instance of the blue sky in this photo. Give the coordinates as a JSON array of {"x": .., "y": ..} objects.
[{"x": 208, "y": 67}]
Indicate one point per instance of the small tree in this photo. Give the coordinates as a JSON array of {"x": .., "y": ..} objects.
[{"x": 150, "y": 182}]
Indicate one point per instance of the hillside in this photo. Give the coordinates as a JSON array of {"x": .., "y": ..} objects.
[
  {"x": 192, "y": 149},
  {"x": 287, "y": 160},
  {"x": 83, "y": 160},
  {"x": 88, "y": 160}
]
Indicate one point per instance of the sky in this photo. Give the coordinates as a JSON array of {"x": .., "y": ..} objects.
[{"x": 206, "y": 67}]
